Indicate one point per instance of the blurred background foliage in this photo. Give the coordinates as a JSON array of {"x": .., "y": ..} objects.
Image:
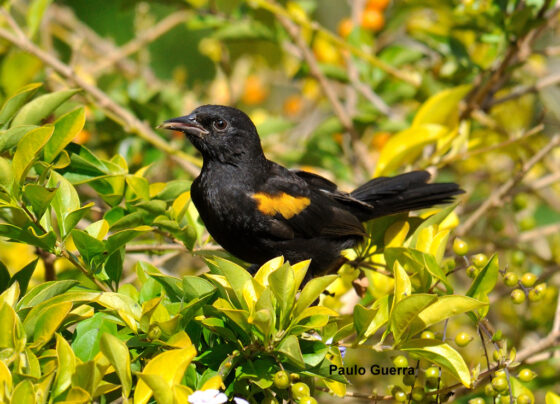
[{"x": 467, "y": 89}]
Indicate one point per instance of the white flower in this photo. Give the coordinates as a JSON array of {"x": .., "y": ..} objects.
[
  {"x": 238, "y": 400},
  {"x": 207, "y": 397}
]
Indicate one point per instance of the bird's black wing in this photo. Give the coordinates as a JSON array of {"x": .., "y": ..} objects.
[{"x": 303, "y": 206}]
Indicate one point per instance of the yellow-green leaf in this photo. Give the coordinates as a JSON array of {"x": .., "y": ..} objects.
[
  {"x": 23, "y": 393},
  {"x": 442, "y": 108},
  {"x": 116, "y": 352},
  {"x": 442, "y": 354},
  {"x": 5, "y": 382},
  {"x": 161, "y": 390},
  {"x": 65, "y": 129},
  {"x": 66, "y": 366},
  {"x": 49, "y": 321},
  {"x": 552, "y": 398},
  {"x": 170, "y": 365},
  {"x": 27, "y": 150},
  {"x": 33, "y": 112}
]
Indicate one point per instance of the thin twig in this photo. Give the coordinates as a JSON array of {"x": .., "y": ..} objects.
[
  {"x": 497, "y": 196},
  {"x": 128, "y": 120},
  {"x": 154, "y": 247},
  {"x": 521, "y": 91}
]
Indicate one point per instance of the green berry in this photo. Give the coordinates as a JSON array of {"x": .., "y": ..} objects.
[
  {"x": 307, "y": 400},
  {"x": 500, "y": 384},
  {"x": 518, "y": 257},
  {"x": 418, "y": 394},
  {"x": 460, "y": 247},
  {"x": 300, "y": 390},
  {"x": 281, "y": 379},
  {"x": 524, "y": 398},
  {"x": 472, "y": 271},
  {"x": 535, "y": 295},
  {"x": 489, "y": 390},
  {"x": 294, "y": 377},
  {"x": 477, "y": 400},
  {"x": 510, "y": 279},
  {"x": 541, "y": 287},
  {"x": 527, "y": 223},
  {"x": 520, "y": 201},
  {"x": 528, "y": 279},
  {"x": 432, "y": 373},
  {"x": 526, "y": 375},
  {"x": 427, "y": 335},
  {"x": 400, "y": 361},
  {"x": 518, "y": 296},
  {"x": 409, "y": 380},
  {"x": 463, "y": 339},
  {"x": 500, "y": 373},
  {"x": 270, "y": 400},
  {"x": 504, "y": 399},
  {"x": 479, "y": 260},
  {"x": 400, "y": 396}
]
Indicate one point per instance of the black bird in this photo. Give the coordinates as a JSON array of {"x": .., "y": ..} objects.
[{"x": 257, "y": 209}]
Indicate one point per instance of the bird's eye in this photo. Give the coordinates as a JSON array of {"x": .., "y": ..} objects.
[{"x": 220, "y": 124}]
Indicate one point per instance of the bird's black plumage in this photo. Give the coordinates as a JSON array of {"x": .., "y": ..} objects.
[{"x": 257, "y": 209}]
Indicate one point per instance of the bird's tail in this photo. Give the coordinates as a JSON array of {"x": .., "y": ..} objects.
[{"x": 409, "y": 191}]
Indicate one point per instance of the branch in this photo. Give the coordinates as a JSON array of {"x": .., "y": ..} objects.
[
  {"x": 495, "y": 198},
  {"x": 521, "y": 91},
  {"x": 345, "y": 119},
  {"x": 128, "y": 120}
]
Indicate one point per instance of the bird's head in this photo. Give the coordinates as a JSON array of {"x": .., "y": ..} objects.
[{"x": 220, "y": 133}]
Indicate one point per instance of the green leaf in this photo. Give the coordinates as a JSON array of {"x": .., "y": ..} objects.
[
  {"x": 65, "y": 200},
  {"x": 235, "y": 275},
  {"x": 45, "y": 291},
  {"x": 72, "y": 218},
  {"x": 311, "y": 291},
  {"x": 4, "y": 277},
  {"x": 65, "y": 367},
  {"x": 24, "y": 393},
  {"x": 406, "y": 311},
  {"x": 35, "y": 111},
  {"x": 139, "y": 186},
  {"x": 363, "y": 317},
  {"x": 434, "y": 219},
  {"x": 113, "y": 266},
  {"x": 35, "y": 14},
  {"x": 29, "y": 236},
  {"x": 313, "y": 352},
  {"x": 443, "y": 308},
  {"x": 65, "y": 129},
  {"x": 117, "y": 353},
  {"x": 119, "y": 239},
  {"x": 9, "y": 138},
  {"x": 196, "y": 287},
  {"x": 88, "y": 333},
  {"x": 24, "y": 275},
  {"x": 442, "y": 108},
  {"x": 484, "y": 283},
  {"x": 282, "y": 284},
  {"x": 49, "y": 321},
  {"x": 289, "y": 346},
  {"x": 38, "y": 197},
  {"x": 28, "y": 149},
  {"x": 89, "y": 247},
  {"x": 16, "y": 101},
  {"x": 442, "y": 354}
]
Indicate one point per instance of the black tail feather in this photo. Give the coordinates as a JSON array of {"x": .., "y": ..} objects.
[{"x": 409, "y": 191}]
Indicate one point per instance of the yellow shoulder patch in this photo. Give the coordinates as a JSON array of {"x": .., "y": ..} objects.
[{"x": 282, "y": 203}]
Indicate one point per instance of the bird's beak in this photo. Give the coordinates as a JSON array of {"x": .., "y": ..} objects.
[{"x": 187, "y": 124}]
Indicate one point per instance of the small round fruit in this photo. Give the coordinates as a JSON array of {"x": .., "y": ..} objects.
[
  {"x": 500, "y": 384},
  {"x": 372, "y": 19},
  {"x": 489, "y": 390},
  {"x": 527, "y": 223},
  {"x": 432, "y": 373},
  {"x": 378, "y": 4},
  {"x": 510, "y": 279},
  {"x": 409, "y": 380},
  {"x": 399, "y": 396},
  {"x": 518, "y": 257},
  {"x": 345, "y": 27},
  {"x": 300, "y": 390},
  {"x": 520, "y": 201},
  {"x": 518, "y": 296},
  {"x": 270, "y": 400},
  {"x": 472, "y": 271},
  {"x": 541, "y": 287},
  {"x": 477, "y": 400},
  {"x": 479, "y": 260},
  {"x": 500, "y": 373},
  {"x": 418, "y": 394},
  {"x": 400, "y": 361},
  {"x": 427, "y": 335},
  {"x": 524, "y": 398},
  {"x": 307, "y": 400},
  {"x": 463, "y": 339},
  {"x": 528, "y": 279},
  {"x": 504, "y": 400},
  {"x": 281, "y": 379},
  {"x": 526, "y": 375},
  {"x": 460, "y": 247},
  {"x": 535, "y": 295},
  {"x": 294, "y": 377}
]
